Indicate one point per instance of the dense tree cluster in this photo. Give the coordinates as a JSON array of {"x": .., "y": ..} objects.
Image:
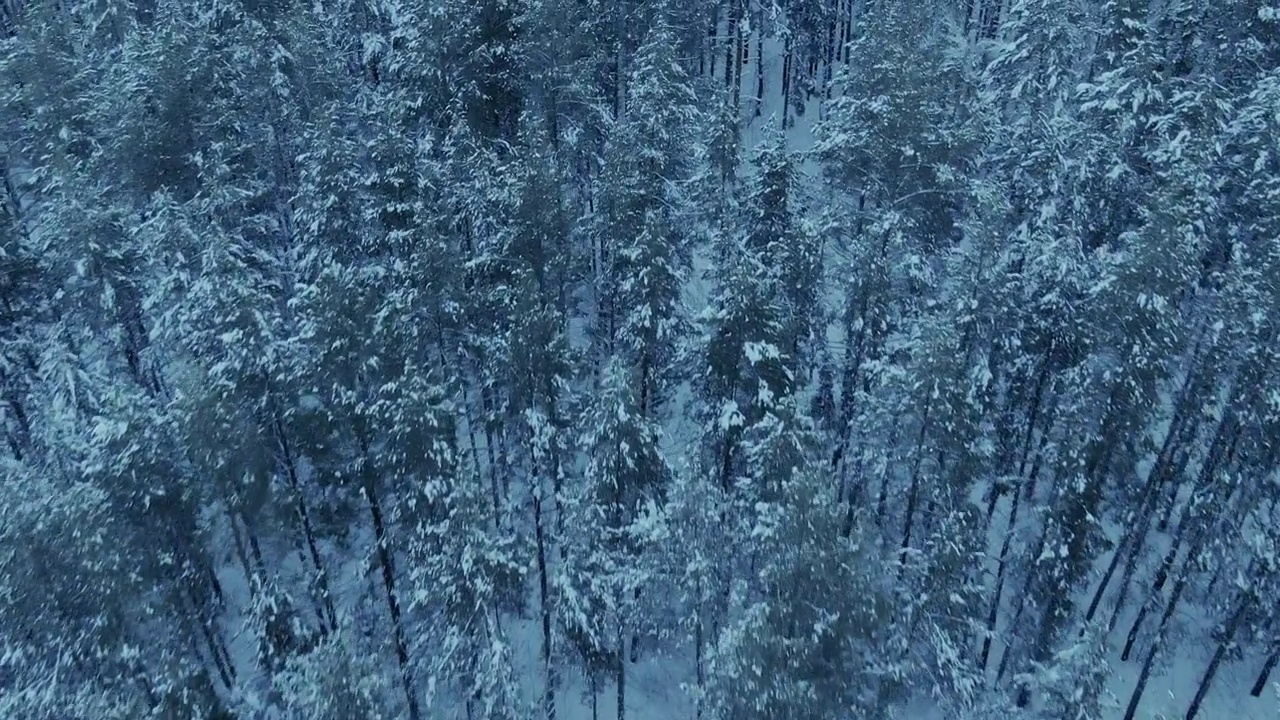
[{"x": 426, "y": 359}]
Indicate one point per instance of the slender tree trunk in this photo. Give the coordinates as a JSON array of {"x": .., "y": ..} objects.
[
  {"x": 549, "y": 694},
  {"x": 1263, "y": 677},
  {"x": 595, "y": 696},
  {"x": 731, "y": 47},
  {"x": 913, "y": 494},
  {"x": 854, "y": 356},
  {"x": 1154, "y": 652},
  {"x": 619, "y": 62},
  {"x": 1135, "y": 536},
  {"x": 1033, "y": 417},
  {"x": 1228, "y": 638},
  {"x": 993, "y": 612},
  {"x": 1140, "y": 543},
  {"x": 882, "y": 500},
  {"x": 213, "y": 642},
  {"x": 195, "y": 610},
  {"x": 635, "y": 637},
  {"x": 1106, "y": 579},
  {"x": 787, "y": 53},
  {"x": 1162, "y": 574},
  {"x": 1223, "y": 436},
  {"x": 504, "y": 460},
  {"x": 387, "y": 563},
  {"x": 255, "y": 547},
  {"x": 1065, "y": 573},
  {"x": 848, "y": 30},
  {"x": 1127, "y": 547},
  {"x": 489, "y": 446},
  {"x": 738, "y": 61},
  {"x": 251, "y": 579},
  {"x": 622, "y": 675},
  {"x": 1022, "y": 603},
  {"x": 759, "y": 72},
  {"x": 494, "y": 495},
  {"x": 837, "y": 20},
  {"x": 850, "y": 505},
  {"x": 828, "y": 69},
  {"x": 304, "y": 516},
  {"x": 218, "y": 652},
  {"x": 697, "y": 659}
]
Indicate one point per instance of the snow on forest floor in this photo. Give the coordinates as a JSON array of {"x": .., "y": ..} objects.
[{"x": 653, "y": 686}]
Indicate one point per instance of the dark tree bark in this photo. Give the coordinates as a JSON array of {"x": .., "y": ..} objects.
[
  {"x": 759, "y": 73},
  {"x": 1216, "y": 453},
  {"x": 1263, "y": 677},
  {"x": 1156, "y": 646},
  {"x": 1134, "y": 539},
  {"x": 993, "y": 612},
  {"x": 549, "y": 694},
  {"x": 913, "y": 493},
  {"x": 1022, "y": 602},
  {"x": 622, "y": 676},
  {"x": 1229, "y": 636},
  {"x": 731, "y": 45},
  {"x": 787, "y": 53},
  {"x": 699, "y": 674},
  {"x": 304, "y": 517},
  {"x": 387, "y": 563}
]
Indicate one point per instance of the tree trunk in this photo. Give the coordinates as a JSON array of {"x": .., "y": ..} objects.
[
  {"x": 549, "y": 694},
  {"x": 731, "y": 46},
  {"x": 387, "y": 563},
  {"x": 787, "y": 53},
  {"x": 1162, "y": 574},
  {"x": 1022, "y": 602},
  {"x": 255, "y": 547},
  {"x": 1222, "y": 437},
  {"x": 251, "y": 578},
  {"x": 737, "y": 48},
  {"x": 1261, "y": 683},
  {"x": 913, "y": 494},
  {"x": 1135, "y": 537},
  {"x": 759, "y": 72},
  {"x": 697, "y": 661},
  {"x": 1156, "y": 644},
  {"x": 1228, "y": 638},
  {"x": 622, "y": 675},
  {"x": 848, "y": 30},
  {"x": 489, "y": 446},
  {"x": 635, "y": 637},
  {"x": 707, "y": 60},
  {"x": 882, "y": 501},
  {"x": 322, "y": 575},
  {"x": 218, "y": 652},
  {"x": 994, "y": 611},
  {"x": 828, "y": 70},
  {"x": 850, "y": 503},
  {"x": 595, "y": 696}
]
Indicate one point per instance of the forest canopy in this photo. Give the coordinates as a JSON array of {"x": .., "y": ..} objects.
[{"x": 720, "y": 359}]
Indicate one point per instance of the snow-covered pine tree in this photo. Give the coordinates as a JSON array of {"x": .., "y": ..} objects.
[
  {"x": 626, "y": 481},
  {"x": 780, "y": 236},
  {"x": 798, "y": 643},
  {"x": 646, "y": 222}
]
